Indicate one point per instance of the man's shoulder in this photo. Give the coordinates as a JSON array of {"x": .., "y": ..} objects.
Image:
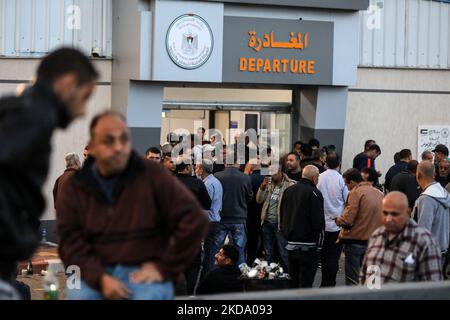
[
  {"x": 421, "y": 234},
  {"x": 212, "y": 179},
  {"x": 377, "y": 234},
  {"x": 220, "y": 174},
  {"x": 316, "y": 192},
  {"x": 359, "y": 156},
  {"x": 13, "y": 104},
  {"x": 330, "y": 175},
  {"x": 425, "y": 199}
]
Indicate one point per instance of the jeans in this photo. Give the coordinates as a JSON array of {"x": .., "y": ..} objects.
[
  {"x": 329, "y": 257},
  {"x": 274, "y": 240},
  {"x": 209, "y": 248},
  {"x": 238, "y": 237},
  {"x": 141, "y": 291},
  {"x": 253, "y": 241},
  {"x": 354, "y": 255},
  {"x": 302, "y": 267}
]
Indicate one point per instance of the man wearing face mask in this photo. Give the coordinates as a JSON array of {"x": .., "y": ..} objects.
[
  {"x": 302, "y": 223},
  {"x": 65, "y": 80}
]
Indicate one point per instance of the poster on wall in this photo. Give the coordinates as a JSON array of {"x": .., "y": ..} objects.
[{"x": 430, "y": 136}]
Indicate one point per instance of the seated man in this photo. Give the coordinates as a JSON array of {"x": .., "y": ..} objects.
[
  {"x": 225, "y": 277},
  {"x": 130, "y": 226}
]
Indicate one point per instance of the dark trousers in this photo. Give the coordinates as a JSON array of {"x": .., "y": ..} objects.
[
  {"x": 354, "y": 255},
  {"x": 253, "y": 241},
  {"x": 194, "y": 272},
  {"x": 445, "y": 264},
  {"x": 329, "y": 257},
  {"x": 208, "y": 262},
  {"x": 274, "y": 245},
  {"x": 302, "y": 267}
]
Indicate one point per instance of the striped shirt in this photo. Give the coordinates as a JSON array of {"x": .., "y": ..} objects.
[{"x": 411, "y": 256}]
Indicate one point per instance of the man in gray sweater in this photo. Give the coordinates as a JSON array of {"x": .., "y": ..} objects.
[
  {"x": 237, "y": 194},
  {"x": 432, "y": 208}
]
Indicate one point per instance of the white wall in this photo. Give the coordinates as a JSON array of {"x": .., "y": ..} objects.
[
  {"x": 35, "y": 27},
  {"x": 75, "y": 137},
  {"x": 389, "y": 105},
  {"x": 405, "y": 33}
]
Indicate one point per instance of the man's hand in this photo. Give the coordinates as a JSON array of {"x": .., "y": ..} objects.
[
  {"x": 336, "y": 220},
  {"x": 264, "y": 184},
  {"x": 148, "y": 273},
  {"x": 113, "y": 289}
]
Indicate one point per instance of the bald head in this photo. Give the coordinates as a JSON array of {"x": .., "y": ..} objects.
[
  {"x": 106, "y": 114},
  {"x": 397, "y": 197},
  {"x": 425, "y": 174},
  {"x": 311, "y": 173},
  {"x": 110, "y": 143},
  {"x": 395, "y": 212},
  {"x": 426, "y": 169}
]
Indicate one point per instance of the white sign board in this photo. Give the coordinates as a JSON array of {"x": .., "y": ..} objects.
[{"x": 430, "y": 136}]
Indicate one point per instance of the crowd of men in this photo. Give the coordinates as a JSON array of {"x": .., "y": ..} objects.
[
  {"x": 184, "y": 218},
  {"x": 305, "y": 213}
]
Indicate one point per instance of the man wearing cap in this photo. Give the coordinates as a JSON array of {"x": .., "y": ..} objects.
[{"x": 440, "y": 153}]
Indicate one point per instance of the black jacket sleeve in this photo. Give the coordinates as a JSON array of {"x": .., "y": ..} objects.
[
  {"x": 21, "y": 130},
  {"x": 317, "y": 217},
  {"x": 203, "y": 196}
]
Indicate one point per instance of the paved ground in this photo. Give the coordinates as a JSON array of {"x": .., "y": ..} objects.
[{"x": 48, "y": 254}]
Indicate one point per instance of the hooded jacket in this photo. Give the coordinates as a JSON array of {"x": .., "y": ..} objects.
[{"x": 432, "y": 210}]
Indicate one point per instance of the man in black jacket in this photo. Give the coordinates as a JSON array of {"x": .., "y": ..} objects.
[
  {"x": 406, "y": 182},
  {"x": 198, "y": 189},
  {"x": 225, "y": 277},
  {"x": 405, "y": 157},
  {"x": 303, "y": 225},
  {"x": 195, "y": 185},
  {"x": 65, "y": 80}
]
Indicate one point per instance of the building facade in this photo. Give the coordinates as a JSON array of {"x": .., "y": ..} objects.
[{"x": 342, "y": 71}]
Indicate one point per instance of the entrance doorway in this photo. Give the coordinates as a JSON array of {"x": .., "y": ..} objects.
[{"x": 229, "y": 111}]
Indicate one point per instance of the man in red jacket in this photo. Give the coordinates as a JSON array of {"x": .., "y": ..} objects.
[{"x": 126, "y": 222}]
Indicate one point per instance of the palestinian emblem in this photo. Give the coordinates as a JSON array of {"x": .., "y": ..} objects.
[{"x": 189, "y": 41}]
